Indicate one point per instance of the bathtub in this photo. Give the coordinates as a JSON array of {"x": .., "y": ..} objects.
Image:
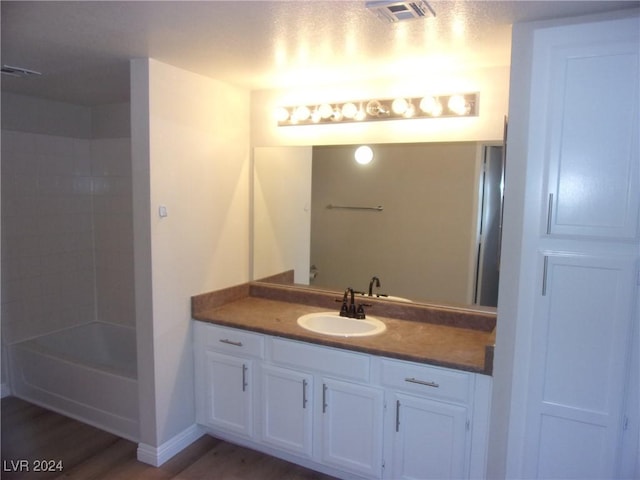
[{"x": 87, "y": 372}]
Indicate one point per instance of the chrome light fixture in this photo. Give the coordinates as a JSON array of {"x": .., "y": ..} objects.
[{"x": 401, "y": 108}]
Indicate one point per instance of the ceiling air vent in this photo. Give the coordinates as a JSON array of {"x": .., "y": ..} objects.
[{"x": 391, "y": 12}]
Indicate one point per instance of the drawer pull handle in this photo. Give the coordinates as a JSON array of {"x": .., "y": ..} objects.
[
  {"x": 230, "y": 342},
  {"x": 397, "y": 415},
  {"x": 422, "y": 382}
]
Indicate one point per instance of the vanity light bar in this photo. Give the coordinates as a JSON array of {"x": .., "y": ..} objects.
[{"x": 436, "y": 106}]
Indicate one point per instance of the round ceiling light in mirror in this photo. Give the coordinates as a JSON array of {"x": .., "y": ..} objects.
[{"x": 363, "y": 155}]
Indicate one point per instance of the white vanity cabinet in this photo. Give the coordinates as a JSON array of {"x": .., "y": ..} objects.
[
  {"x": 428, "y": 421},
  {"x": 348, "y": 414},
  {"x": 225, "y": 365}
]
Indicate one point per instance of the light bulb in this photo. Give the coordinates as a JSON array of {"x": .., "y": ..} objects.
[
  {"x": 361, "y": 114},
  {"x": 431, "y": 106},
  {"x": 376, "y": 109},
  {"x": 302, "y": 113},
  {"x": 399, "y": 106},
  {"x": 458, "y": 105},
  {"x": 325, "y": 110},
  {"x": 281, "y": 114},
  {"x": 336, "y": 116},
  {"x": 349, "y": 110},
  {"x": 363, "y": 155},
  {"x": 410, "y": 111}
]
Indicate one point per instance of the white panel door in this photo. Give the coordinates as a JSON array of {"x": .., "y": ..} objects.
[
  {"x": 592, "y": 139},
  {"x": 352, "y": 418},
  {"x": 429, "y": 439},
  {"x": 583, "y": 323},
  {"x": 227, "y": 393},
  {"x": 287, "y": 409}
]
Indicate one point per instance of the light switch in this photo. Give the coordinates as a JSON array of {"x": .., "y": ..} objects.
[{"x": 162, "y": 211}]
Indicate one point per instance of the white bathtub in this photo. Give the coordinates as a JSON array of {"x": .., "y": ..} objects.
[{"x": 87, "y": 372}]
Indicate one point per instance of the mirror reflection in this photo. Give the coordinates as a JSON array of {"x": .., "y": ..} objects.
[{"x": 419, "y": 222}]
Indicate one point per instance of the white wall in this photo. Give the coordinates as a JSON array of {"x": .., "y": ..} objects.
[
  {"x": 281, "y": 211},
  {"x": 491, "y": 83},
  {"x": 190, "y": 143}
]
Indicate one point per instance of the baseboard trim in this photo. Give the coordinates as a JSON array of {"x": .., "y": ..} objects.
[
  {"x": 156, "y": 456},
  {"x": 5, "y": 391}
]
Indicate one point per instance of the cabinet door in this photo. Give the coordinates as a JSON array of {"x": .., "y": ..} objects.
[
  {"x": 287, "y": 409},
  {"x": 592, "y": 135},
  {"x": 584, "y": 316},
  {"x": 227, "y": 393},
  {"x": 429, "y": 441},
  {"x": 352, "y": 418}
]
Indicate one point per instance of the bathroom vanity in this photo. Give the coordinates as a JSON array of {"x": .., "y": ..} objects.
[{"x": 411, "y": 402}]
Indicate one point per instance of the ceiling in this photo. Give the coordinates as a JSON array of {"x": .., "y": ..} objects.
[{"x": 82, "y": 48}]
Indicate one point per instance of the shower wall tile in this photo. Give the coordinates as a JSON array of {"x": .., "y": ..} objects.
[
  {"x": 67, "y": 233},
  {"x": 48, "y": 268},
  {"x": 113, "y": 230}
]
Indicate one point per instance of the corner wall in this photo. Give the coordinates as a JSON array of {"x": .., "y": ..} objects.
[{"x": 190, "y": 144}]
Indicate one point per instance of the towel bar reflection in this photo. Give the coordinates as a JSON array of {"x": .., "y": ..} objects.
[{"x": 379, "y": 208}]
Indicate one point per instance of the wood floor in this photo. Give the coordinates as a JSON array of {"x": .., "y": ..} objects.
[{"x": 31, "y": 434}]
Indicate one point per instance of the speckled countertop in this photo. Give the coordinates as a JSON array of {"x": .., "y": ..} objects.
[{"x": 448, "y": 337}]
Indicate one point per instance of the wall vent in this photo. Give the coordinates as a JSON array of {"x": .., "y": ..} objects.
[{"x": 392, "y": 12}]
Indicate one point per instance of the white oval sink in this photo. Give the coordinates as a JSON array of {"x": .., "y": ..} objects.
[{"x": 331, "y": 323}]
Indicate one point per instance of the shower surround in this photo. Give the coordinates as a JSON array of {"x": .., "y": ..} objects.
[{"x": 67, "y": 231}]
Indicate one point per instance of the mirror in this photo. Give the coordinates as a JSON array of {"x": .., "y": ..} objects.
[{"x": 423, "y": 218}]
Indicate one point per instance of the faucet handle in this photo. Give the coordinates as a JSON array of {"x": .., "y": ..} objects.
[{"x": 360, "y": 312}]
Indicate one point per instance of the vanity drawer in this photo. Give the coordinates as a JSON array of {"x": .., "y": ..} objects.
[
  {"x": 230, "y": 340},
  {"x": 434, "y": 382},
  {"x": 332, "y": 361}
]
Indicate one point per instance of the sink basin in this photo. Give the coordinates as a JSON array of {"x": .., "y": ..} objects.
[{"x": 331, "y": 323}]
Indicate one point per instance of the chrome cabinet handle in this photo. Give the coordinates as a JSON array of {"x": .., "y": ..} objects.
[
  {"x": 230, "y": 342},
  {"x": 304, "y": 393},
  {"x": 545, "y": 271},
  {"x": 244, "y": 377},
  {"x": 397, "y": 415},
  {"x": 422, "y": 382},
  {"x": 324, "y": 397},
  {"x": 549, "y": 213}
]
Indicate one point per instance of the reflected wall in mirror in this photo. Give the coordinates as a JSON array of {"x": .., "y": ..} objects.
[{"x": 430, "y": 242}]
